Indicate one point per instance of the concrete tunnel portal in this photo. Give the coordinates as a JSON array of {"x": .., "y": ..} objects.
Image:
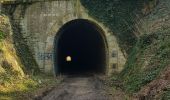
[{"x": 80, "y": 47}]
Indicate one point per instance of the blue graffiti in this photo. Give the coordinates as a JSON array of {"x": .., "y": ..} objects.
[{"x": 45, "y": 56}]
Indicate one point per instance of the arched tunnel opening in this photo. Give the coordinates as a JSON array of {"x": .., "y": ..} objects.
[{"x": 80, "y": 48}]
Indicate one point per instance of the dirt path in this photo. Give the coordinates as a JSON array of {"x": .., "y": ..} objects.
[{"x": 79, "y": 88}]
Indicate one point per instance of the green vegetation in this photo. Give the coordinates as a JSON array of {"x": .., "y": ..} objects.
[
  {"x": 10, "y": 75},
  {"x": 119, "y": 16},
  {"x": 14, "y": 83},
  {"x": 149, "y": 54},
  {"x": 23, "y": 51},
  {"x": 26, "y": 88},
  {"x": 21, "y": 45},
  {"x": 166, "y": 95},
  {"x": 2, "y": 35},
  {"x": 148, "y": 58}
]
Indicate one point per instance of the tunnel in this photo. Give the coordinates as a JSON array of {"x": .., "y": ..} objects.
[{"x": 80, "y": 48}]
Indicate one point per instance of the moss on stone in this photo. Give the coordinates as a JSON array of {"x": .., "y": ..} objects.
[
  {"x": 149, "y": 57},
  {"x": 22, "y": 49},
  {"x": 120, "y": 16}
]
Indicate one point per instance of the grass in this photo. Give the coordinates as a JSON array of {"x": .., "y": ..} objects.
[
  {"x": 148, "y": 58},
  {"x": 16, "y": 89},
  {"x": 14, "y": 83},
  {"x": 2, "y": 35},
  {"x": 166, "y": 95},
  {"x": 24, "y": 88}
]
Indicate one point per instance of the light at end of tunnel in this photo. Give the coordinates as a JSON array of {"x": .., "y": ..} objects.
[{"x": 68, "y": 58}]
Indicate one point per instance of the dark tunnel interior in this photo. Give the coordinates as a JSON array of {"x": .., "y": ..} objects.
[{"x": 82, "y": 41}]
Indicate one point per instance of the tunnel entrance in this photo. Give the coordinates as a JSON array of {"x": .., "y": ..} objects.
[{"x": 80, "y": 48}]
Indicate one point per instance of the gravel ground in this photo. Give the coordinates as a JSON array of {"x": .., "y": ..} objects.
[{"x": 79, "y": 88}]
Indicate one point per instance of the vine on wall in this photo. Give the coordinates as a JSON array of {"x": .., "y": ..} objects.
[{"x": 120, "y": 16}]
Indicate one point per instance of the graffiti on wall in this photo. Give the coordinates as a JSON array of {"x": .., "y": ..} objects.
[{"x": 45, "y": 56}]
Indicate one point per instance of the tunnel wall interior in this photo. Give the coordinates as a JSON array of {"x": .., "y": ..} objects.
[{"x": 81, "y": 41}]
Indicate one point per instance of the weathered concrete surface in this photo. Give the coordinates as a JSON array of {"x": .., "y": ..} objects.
[
  {"x": 40, "y": 22},
  {"x": 80, "y": 88}
]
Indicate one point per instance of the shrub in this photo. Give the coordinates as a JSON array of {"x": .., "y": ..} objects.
[
  {"x": 2, "y": 35},
  {"x": 153, "y": 49}
]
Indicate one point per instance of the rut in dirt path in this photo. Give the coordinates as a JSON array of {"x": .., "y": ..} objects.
[{"x": 79, "y": 88}]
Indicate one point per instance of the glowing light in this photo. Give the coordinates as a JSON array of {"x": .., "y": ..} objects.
[{"x": 68, "y": 58}]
